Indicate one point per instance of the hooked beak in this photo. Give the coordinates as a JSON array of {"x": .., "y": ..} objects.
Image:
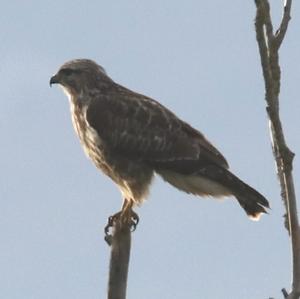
[{"x": 54, "y": 80}]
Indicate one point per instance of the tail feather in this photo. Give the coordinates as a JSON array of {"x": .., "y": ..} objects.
[
  {"x": 252, "y": 206},
  {"x": 216, "y": 181},
  {"x": 249, "y": 199}
]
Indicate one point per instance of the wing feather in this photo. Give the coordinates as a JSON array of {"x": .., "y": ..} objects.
[{"x": 137, "y": 127}]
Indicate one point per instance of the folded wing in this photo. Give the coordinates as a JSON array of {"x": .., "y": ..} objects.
[{"x": 140, "y": 128}]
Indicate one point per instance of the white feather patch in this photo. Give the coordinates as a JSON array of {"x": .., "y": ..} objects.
[{"x": 194, "y": 184}]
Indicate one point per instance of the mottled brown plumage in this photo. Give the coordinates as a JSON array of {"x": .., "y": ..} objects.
[{"x": 130, "y": 136}]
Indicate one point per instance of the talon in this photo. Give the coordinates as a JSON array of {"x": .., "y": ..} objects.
[
  {"x": 126, "y": 217},
  {"x": 135, "y": 217},
  {"x": 108, "y": 239},
  {"x": 133, "y": 226},
  {"x": 134, "y": 220},
  {"x": 110, "y": 223}
]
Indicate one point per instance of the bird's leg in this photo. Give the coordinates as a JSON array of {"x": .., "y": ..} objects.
[{"x": 126, "y": 216}]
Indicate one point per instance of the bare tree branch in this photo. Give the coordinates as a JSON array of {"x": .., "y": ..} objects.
[
  {"x": 280, "y": 33},
  {"x": 269, "y": 45},
  {"x": 120, "y": 242}
]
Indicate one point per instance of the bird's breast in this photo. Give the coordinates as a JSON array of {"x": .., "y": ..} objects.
[{"x": 90, "y": 140}]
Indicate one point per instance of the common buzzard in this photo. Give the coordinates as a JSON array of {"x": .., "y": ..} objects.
[{"x": 130, "y": 137}]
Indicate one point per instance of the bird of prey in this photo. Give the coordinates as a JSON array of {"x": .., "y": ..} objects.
[{"x": 130, "y": 137}]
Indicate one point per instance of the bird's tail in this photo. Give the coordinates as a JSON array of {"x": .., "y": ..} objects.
[
  {"x": 217, "y": 181},
  {"x": 253, "y": 203},
  {"x": 250, "y": 200}
]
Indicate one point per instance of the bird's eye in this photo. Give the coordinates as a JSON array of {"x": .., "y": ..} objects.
[{"x": 67, "y": 72}]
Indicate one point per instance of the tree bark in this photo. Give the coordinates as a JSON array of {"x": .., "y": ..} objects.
[
  {"x": 120, "y": 242},
  {"x": 269, "y": 44}
]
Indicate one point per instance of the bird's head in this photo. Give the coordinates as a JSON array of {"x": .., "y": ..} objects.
[{"x": 78, "y": 75}]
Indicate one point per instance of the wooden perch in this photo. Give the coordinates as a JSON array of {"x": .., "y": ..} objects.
[{"x": 120, "y": 242}]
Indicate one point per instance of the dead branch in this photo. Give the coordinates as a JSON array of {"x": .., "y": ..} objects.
[
  {"x": 120, "y": 242},
  {"x": 269, "y": 44}
]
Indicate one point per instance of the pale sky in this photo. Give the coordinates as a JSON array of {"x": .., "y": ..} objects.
[{"x": 200, "y": 59}]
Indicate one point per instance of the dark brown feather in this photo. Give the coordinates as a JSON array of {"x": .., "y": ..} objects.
[{"x": 140, "y": 128}]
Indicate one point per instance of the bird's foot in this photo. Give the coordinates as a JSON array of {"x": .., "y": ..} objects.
[{"x": 126, "y": 217}]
